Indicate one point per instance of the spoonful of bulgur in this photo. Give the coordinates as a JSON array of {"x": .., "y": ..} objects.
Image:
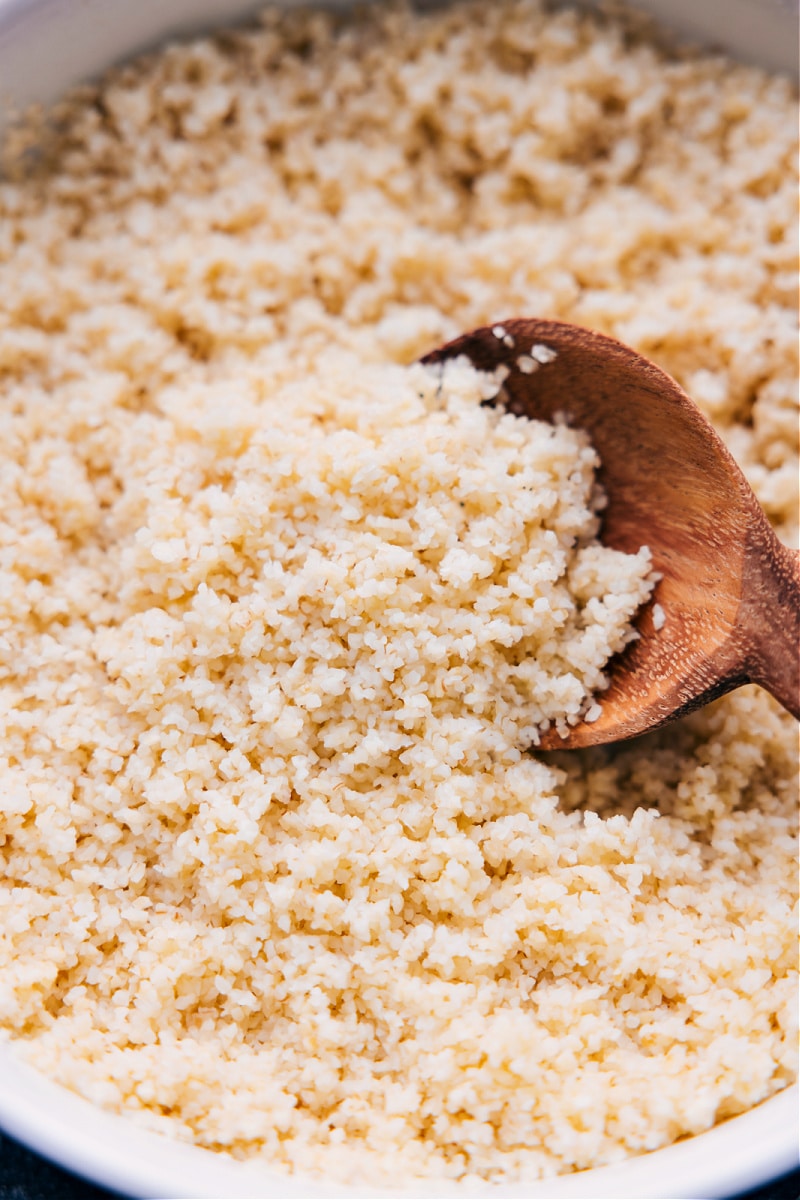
[{"x": 726, "y": 610}]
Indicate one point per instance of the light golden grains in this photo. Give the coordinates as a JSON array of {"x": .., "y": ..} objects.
[{"x": 279, "y": 614}]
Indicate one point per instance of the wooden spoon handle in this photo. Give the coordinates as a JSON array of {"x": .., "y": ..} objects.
[{"x": 769, "y": 619}]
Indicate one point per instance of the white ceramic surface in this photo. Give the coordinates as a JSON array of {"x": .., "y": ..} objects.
[
  {"x": 741, "y": 1153},
  {"x": 45, "y": 46}
]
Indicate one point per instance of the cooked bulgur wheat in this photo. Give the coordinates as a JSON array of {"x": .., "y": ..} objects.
[{"x": 280, "y": 613}]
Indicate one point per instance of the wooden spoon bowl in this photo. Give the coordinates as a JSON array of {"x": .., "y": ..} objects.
[{"x": 730, "y": 591}]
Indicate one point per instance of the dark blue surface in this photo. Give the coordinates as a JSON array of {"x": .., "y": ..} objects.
[{"x": 25, "y": 1176}]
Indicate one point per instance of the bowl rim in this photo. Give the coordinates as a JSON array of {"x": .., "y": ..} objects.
[{"x": 114, "y": 1151}]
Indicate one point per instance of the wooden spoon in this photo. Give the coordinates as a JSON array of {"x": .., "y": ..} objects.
[{"x": 730, "y": 592}]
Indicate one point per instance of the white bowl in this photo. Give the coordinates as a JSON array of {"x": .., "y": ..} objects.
[
  {"x": 46, "y": 46},
  {"x": 732, "y": 1157}
]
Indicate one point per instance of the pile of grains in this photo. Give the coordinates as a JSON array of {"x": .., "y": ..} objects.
[{"x": 280, "y": 613}]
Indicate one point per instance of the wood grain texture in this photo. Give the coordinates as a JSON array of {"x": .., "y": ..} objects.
[{"x": 730, "y": 591}]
